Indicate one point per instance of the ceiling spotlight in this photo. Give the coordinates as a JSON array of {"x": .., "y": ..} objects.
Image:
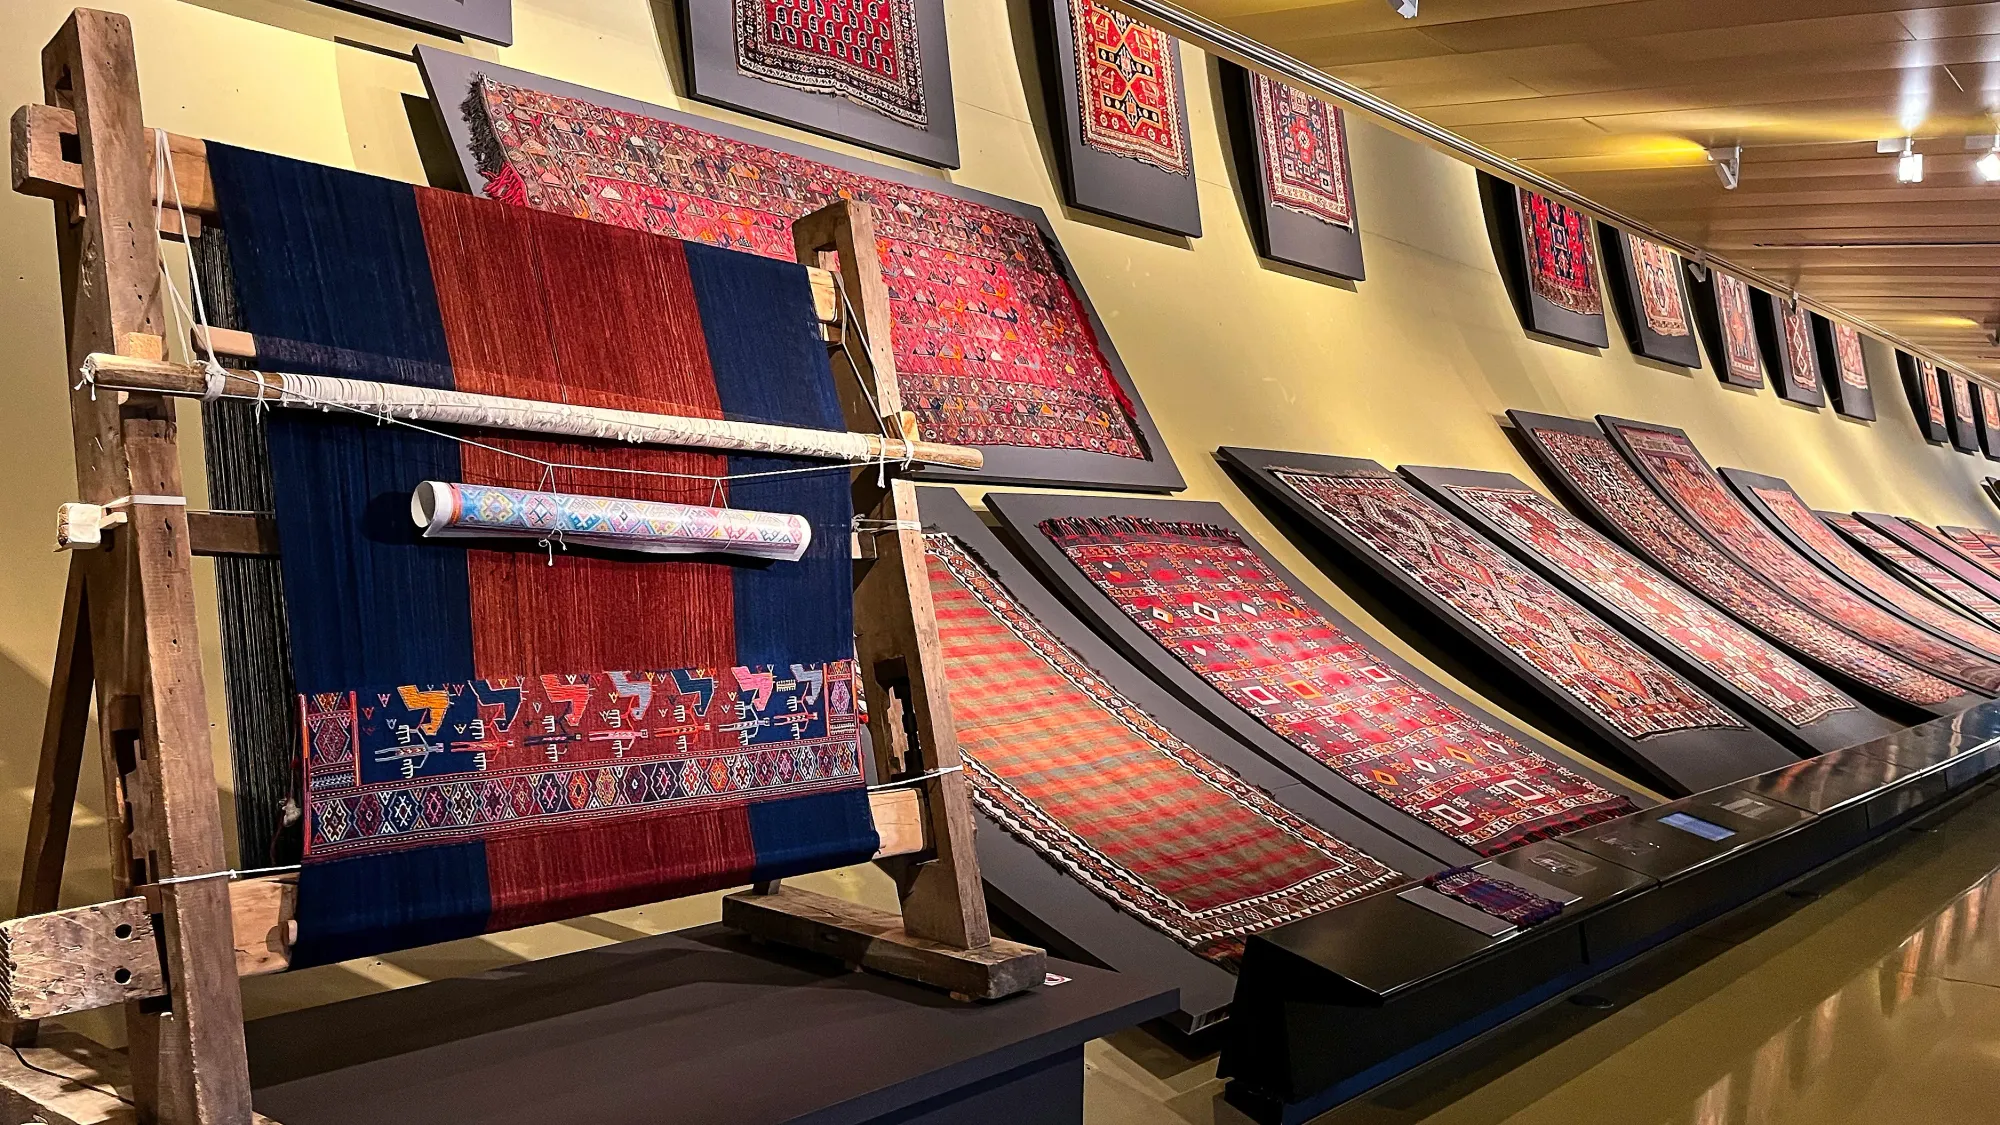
[
  {"x": 1405, "y": 8},
  {"x": 1988, "y": 166},
  {"x": 1910, "y": 165},
  {"x": 1728, "y": 163}
]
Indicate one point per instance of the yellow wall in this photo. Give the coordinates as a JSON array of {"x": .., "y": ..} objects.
[{"x": 1412, "y": 365}]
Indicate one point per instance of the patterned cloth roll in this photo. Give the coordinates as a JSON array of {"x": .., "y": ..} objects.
[
  {"x": 1497, "y": 897},
  {"x": 446, "y": 510}
]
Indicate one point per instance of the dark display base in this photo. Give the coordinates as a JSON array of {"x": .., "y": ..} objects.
[
  {"x": 691, "y": 1027},
  {"x": 1333, "y": 1006}
]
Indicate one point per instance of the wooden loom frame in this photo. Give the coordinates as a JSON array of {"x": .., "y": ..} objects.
[{"x": 171, "y": 948}]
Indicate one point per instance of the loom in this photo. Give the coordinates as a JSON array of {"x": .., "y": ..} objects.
[{"x": 306, "y": 556}]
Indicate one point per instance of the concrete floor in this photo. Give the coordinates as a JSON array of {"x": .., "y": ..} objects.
[{"x": 1868, "y": 996}]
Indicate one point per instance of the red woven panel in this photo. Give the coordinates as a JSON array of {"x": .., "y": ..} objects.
[
  {"x": 1659, "y": 273},
  {"x": 1916, "y": 566},
  {"x": 863, "y": 50},
  {"x": 1746, "y": 660},
  {"x": 1847, "y": 350},
  {"x": 1626, "y": 687},
  {"x": 1305, "y": 158},
  {"x": 1561, "y": 262},
  {"x": 1094, "y": 784},
  {"x": 1128, "y": 78},
  {"x": 614, "y": 863},
  {"x": 1678, "y": 466},
  {"x": 1594, "y": 467},
  {"x": 1739, "y": 329},
  {"x": 1799, "y": 356},
  {"x": 1217, "y": 608}
]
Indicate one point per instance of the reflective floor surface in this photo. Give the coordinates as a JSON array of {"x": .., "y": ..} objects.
[{"x": 1867, "y": 995}]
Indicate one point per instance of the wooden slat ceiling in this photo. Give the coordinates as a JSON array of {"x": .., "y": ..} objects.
[{"x": 1619, "y": 100}]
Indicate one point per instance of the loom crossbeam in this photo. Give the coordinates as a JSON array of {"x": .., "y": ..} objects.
[{"x": 460, "y": 408}]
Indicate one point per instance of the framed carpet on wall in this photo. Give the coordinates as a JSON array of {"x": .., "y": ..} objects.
[
  {"x": 1915, "y": 569},
  {"x": 995, "y": 340},
  {"x": 1118, "y": 825},
  {"x": 1755, "y": 678},
  {"x": 1813, "y": 536},
  {"x": 1117, "y": 99},
  {"x": 1631, "y": 708},
  {"x": 1979, "y": 544},
  {"x": 1577, "y": 459},
  {"x": 1292, "y": 161},
  {"x": 1784, "y": 329},
  {"x": 873, "y": 72},
  {"x": 1989, "y": 420},
  {"x": 1961, "y": 413},
  {"x": 1843, "y": 368},
  {"x": 1548, "y": 260},
  {"x": 1925, "y": 541},
  {"x": 1183, "y": 591},
  {"x": 1727, "y": 318},
  {"x": 1650, "y": 289},
  {"x": 1921, "y": 387},
  {"x": 1675, "y": 469}
]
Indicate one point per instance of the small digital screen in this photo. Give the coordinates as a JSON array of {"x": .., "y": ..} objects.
[{"x": 1697, "y": 826}]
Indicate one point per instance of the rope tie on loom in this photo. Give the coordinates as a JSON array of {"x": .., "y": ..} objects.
[
  {"x": 849, "y": 317},
  {"x": 918, "y": 779}
]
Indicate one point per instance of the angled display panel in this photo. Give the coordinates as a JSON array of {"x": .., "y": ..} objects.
[
  {"x": 1794, "y": 520},
  {"x": 1649, "y": 286},
  {"x": 1117, "y": 95},
  {"x": 1292, "y": 164},
  {"x": 1785, "y": 330},
  {"x": 1637, "y": 711},
  {"x": 1989, "y": 420},
  {"x": 1915, "y": 569},
  {"x": 1677, "y": 471},
  {"x": 1928, "y": 543},
  {"x": 876, "y": 73},
  {"x": 1976, "y": 543},
  {"x": 1182, "y": 589},
  {"x": 1121, "y": 827},
  {"x": 1757, "y": 679},
  {"x": 1843, "y": 368},
  {"x": 995, "y": 341},
  {"x": 1582, "y": 464},
  {"x": 1961, "y": 412},
  {"x": 1727, "y": 318},
  {"x": 1549, "y": 261},
  {"x": 1920, "y": 385}
]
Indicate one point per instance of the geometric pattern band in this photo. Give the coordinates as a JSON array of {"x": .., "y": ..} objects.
[{"x": 866, "y": 51}]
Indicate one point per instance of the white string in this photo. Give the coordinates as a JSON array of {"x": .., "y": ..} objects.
[
  {"x": 233, "y": 873},
  {"x": 916, "y": 780},
  {"x": 867, "y": 526}
]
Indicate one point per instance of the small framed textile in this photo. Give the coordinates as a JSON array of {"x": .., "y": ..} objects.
[
  {"x": 1589, "y": 676},
  {"x": 1549, "y": 261},
  {"x": 874, "y": 72},
  {"x": 1118, "y": 96},
  {"x": 996, "y": 343},
  {"x": 491, "y": 20},
  {"x": 1843, "y": 368},
  {"x": 1920, "y": 571},
  {"x": 1961, "y": 412},
  {"x": 1989, "y": 419},
  {"x": 1784, "y": 329},
  {"x": 1096, "y": 787},
  {"x": 1727, "y": 317},
  {"x": 1292, "y": 161},
  {"x": 1185, "y": 593},
  {"x": 1759, "y": 681},
  {"x": 1922, "y": 385},
  {"x": 1650, "y": 289}
]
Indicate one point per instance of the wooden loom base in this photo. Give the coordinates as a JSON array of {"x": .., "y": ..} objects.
[
  {"x": 867, "y": 938},
  {"x": 91, "y": 1083}
]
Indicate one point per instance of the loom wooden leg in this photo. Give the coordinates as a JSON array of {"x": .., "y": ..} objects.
[{"x": 57, "y": 773}]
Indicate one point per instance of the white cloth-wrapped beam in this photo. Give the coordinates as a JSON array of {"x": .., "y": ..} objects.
[{"x": 445, "y": 509}]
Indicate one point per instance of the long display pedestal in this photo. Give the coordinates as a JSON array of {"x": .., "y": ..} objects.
[
  {"x": 692, "y": 1027},
  {"x": 1332, "y": 1006}
]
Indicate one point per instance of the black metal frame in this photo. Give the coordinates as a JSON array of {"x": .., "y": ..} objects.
[
  {"x": 1850, "y": 402},
  {"x": 1708, "y": 320},
  {"x": 1502, "y": 201},
  {"x": 1911, "y": 371},
  {"x": 1621, "y": 269},
  {"x": 1778, "y": 357},
  {"x": 1282, "y": 234}
]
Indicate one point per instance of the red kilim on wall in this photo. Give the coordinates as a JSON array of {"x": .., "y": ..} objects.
[
  {"x": 1304, "y": 148},
  {"x": 1213, "y": 603},
  {"x": 1659, "y": 271},
  {"x": 866, "y": 51},
  {"x": 1749, "y": 662},
  {"x": 1980, "y": 545},
  {"x": 1099, "y": 788},
  {"x": 1847, "y": 350},
  {"x": 1128, "y": 87},
  {"x": 1739, "y": 329},
  {"x": 1673, "y": 461},
  {"x": 1561, "y": 264},
  {"x": 1610, "y": 676},
  {"x": 1923, "y": 570},
  {"x": 1927, "y": 379},
  {"x": 1799, "y": 357},
  {"x": 1593, "y": 467},
  {"x": 992, "y": 346}
]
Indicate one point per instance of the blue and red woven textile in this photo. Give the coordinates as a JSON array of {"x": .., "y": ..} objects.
[
  {"x": 495, "y": 736},
  {"x": 1497, "y": 897}
]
